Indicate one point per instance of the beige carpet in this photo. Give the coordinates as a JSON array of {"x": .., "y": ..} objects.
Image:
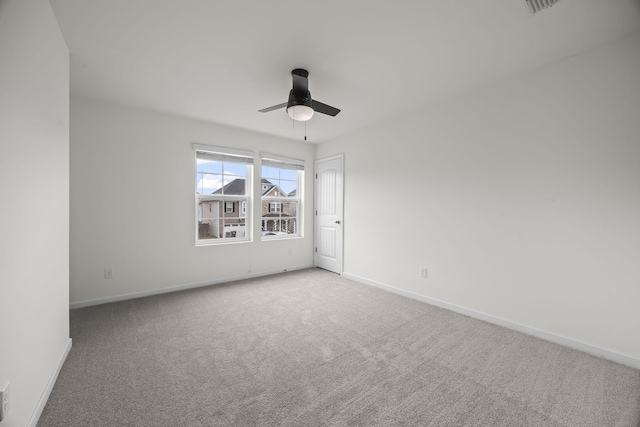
[{"x": 309, "y": 348}]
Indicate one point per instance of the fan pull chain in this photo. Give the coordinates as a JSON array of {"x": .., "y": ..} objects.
[{"x": 305, "y": 131}]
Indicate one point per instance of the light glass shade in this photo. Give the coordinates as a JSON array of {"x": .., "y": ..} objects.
[{"x": 301, "y": 113}]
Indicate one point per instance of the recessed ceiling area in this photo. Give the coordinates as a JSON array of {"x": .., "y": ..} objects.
[{"x": 223, "y": 61}]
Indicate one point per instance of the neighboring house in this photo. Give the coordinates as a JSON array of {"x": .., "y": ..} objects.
[
  {"x": 223, "y": 219},
  {"x": 226, "y": 219},
  {"x": 278, "y": 216}
]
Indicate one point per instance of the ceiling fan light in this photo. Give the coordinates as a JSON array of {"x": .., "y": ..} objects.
[{"x": 300, "y": 113}]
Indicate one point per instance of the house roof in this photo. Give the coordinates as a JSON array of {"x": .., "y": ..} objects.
[{"x": 235, "y": 187}]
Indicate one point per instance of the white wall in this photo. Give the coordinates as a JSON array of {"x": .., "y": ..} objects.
[
  {"x": 524, "y": 200},
  {"x": 34, "y": 189},
  {"x": 133, "y": 210}
]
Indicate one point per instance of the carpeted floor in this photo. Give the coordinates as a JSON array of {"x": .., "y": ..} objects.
[{"x": 310, "y": 348}]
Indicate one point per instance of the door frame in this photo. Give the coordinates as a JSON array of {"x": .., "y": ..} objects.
[{"x": 315, "y": 209}]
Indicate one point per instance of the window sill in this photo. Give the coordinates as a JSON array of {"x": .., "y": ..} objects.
[
  {"x": 267, "y": 237},
  {"x": 217, "y": 242}
]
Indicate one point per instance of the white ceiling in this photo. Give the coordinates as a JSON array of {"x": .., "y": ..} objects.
[{"x": 222, "y": 61}]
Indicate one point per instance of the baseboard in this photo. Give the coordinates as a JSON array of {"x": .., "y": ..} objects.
[
  {"x": 545, "y": 335},
  {"x": 124, "y": 297},
  {"x": 35, "y": 417}
]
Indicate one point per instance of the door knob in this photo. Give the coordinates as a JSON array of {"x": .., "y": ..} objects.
[{"x": 337, "y": 222}]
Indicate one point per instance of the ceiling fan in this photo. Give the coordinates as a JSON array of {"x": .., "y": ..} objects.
[{"x": 300, "y": 106}]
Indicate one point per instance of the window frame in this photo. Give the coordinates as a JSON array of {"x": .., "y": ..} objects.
[
  {"x": 225, "y": 224},
  {"x": 281, "y": 162}
]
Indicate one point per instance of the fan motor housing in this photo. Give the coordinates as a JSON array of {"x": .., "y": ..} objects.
[
  {"x": 300, "y": 72},
  {"x": 299, "y": 98}
]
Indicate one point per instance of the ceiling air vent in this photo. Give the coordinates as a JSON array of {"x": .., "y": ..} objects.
[{"x": 538, "y": 5}]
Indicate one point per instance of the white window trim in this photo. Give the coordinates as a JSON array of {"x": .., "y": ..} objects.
[
  {"x": 272, "y": 160},
  {"x": 223, "y": 150},
  {"x": 248, "y": 224},
  {"x": 281, "y": 159}
]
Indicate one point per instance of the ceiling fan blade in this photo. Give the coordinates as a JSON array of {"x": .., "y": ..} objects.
[
  {"x": 275, "y": 107},
  {"x": 324, "y": 108}
]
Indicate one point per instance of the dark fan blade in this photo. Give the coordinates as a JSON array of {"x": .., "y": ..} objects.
[
  {"x": 275, "y": 107},
  {"x": 300, "y": 82},
  {"x": 324, "y": 108}
]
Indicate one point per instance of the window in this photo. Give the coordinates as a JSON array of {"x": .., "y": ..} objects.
[
  {"x": 282, "y": 200},
  {"x": 223, "y": 191},
  {"x": 275, "y": 207}
]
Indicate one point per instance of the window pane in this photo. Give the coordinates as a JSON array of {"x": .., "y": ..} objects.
[
  {"x": 289, "y": 187},
  {"x": 208, "y": 183},
  {"x": 209, "y": 166},
  {"x": 233, "y": 228},
  {"x": 279, "y": 219},
  {"x": 279, "y": 187},
  {"x": 288, "y": 174},
  {"x": 230, "y": 181},
  {"x": 270, "y": 173},
  {"x": 290, "y": 209},
  {"x": 218, "y": 218},
  {"x": 208, "y": 212},
  {"x": 238, "y": 170}
]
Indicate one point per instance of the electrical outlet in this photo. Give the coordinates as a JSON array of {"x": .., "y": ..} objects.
[
  {"x": 4, "y": 401},
  {"x": 423, "y": 272},
  {"x": 108, "y": 273}
]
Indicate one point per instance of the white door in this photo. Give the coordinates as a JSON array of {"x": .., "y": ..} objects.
[{"x": 328, "y": 229}]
